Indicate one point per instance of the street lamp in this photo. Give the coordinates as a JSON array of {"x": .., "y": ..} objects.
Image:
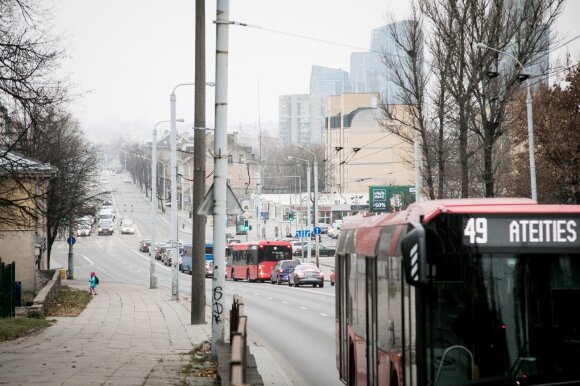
[
  {"x": 308, "y": 216},
  {"x": 530, "y": 118},
  {"x": 174, "y": 240},
  {"x": 152, "y": 277},
  {"x": 316, "y": 237}
]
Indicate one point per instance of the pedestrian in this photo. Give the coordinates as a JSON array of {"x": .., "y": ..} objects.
[{"x": 93, "y": 284}]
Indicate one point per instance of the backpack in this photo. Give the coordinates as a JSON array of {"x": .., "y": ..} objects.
[{"x": 96, "y": 280}]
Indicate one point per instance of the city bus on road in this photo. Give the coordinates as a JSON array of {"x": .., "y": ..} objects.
[
  {"x": 460, "y": 292},
  {"x": 186, "y": 264},
  {"x": 253, "y": 261}
]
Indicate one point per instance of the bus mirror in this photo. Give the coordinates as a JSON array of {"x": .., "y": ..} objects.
[{"x": 414, "y": 259}]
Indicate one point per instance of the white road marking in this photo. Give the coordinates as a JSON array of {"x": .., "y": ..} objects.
[
  {"x": 303, "y": 308},
  {"x": 323, "y": 314}
]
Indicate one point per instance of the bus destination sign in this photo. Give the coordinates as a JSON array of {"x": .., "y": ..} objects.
[{"x": 521, "y": 231}]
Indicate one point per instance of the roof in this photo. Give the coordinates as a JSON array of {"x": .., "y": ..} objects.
[
  {"x": 13, "y": 163},
  {"x": 425, "y": 211}
]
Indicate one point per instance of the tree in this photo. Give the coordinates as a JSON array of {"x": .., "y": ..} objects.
[
  {"x": 460, "y": 123},
  {"x": 557, "y": 141}
]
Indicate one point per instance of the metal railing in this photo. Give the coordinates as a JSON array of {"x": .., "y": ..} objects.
[{"x": 238, "y": 340}]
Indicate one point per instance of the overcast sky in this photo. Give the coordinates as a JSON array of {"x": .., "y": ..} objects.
[{"x": 126, "y": 56}]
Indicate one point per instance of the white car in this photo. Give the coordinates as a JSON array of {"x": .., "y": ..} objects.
[{"x": 127, "y": 227}]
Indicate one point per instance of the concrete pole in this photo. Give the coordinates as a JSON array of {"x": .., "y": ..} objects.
[
  {"x": 417, "y": 171},
  {"x": 531, "y": 143},
  {"x": 199, "y": 143},
  {"x": 220, "y": 175},
  {"x": 174, "y": 244},
  {"x": 152, "y": 278},
  {"x": 309, "y": 214},
  {"x": 316, "y": 209},
  {"x": 70, "y": 272}
]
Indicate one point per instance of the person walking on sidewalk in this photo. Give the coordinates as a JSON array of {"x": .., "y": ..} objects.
[{"x": 93, "y": 284}]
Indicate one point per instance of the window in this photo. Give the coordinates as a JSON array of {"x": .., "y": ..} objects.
[{"x": 230, "y": 159}]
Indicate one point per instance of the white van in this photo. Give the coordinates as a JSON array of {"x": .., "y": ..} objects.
[{"x": 106, "y": 214}]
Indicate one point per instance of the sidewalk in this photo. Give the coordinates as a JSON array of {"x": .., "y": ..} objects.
[{"x": 128, "y": 335}]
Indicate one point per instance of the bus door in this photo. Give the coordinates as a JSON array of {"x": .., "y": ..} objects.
[
  {"x": 371, "y": 327},
  {"x": 342, "y": 268}
]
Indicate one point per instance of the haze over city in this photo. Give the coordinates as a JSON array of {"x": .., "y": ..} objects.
[{"x": 124, "y": 58}]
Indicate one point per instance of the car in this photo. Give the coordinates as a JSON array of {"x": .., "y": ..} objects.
[
  {"x": 84, "y": 230},
  {"x": 332, "y": 276},
  {"x": 324, "y": 250},
  {"x": 298, "y": 246},
  {"x": 128, "y": 180},
  {"x": 209, "y": 268},
  {"x": 144, "y": 245},
  {"x": 280, "y": 271},
  {"x": 127, "y": 226},
  {"x": 333, "y": 233},
  {"x": 306, "y": 274},
  {"x": 105, "y": 228},
  {"x": 157, "y": 250}
]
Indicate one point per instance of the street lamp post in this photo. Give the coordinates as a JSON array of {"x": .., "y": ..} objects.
[
  {"x": 308, "y": 215},
  {"x": 174, "y": 240},
  {"x": 152, "y": 277},
  {"x": 316, "y": 237},
  {"x": 530, "y": 120}
]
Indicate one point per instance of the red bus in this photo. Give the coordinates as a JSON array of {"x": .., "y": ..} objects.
[
  {"x": 460, "y": 292},
  {"x": 253, "y": 261}
]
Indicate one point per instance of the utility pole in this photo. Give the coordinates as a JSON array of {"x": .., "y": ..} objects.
[
  {"x": 198, "y": 220},
  {"x": 220, "y": 175},
  {"x": 70, "y": 240}
]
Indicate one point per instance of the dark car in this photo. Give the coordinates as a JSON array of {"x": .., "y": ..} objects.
[
  {"x": 144, "y": 245},
  {"x": 306, "y": 274},
  {"x": 323, "y": 250},
  {"x": 281, "y": 269},
  {"x": 105, "y": 228}
]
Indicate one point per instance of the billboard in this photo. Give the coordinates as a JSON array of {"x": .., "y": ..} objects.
[{"x": 390, "y": 198}]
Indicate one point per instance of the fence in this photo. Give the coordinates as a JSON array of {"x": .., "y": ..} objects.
[
  {"x": 7, "y": 284},
  {"x": 238, "y": 340}
]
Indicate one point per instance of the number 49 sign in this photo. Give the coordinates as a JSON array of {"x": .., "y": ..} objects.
[{"x": 476, "y": 230}]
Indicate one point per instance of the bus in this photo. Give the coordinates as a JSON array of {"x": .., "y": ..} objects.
[
  {"x": 253, "y": 261},
  {"x": 186, "y": 264},
  {"x": 460, "y": 292}
]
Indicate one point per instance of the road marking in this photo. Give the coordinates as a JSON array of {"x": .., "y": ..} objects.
[
  {"x": 284, "y": 302},
  {"x": 323, "y": 314},
  {"x": 303, "y": 308},
  {"x": 270, "y": 298}
]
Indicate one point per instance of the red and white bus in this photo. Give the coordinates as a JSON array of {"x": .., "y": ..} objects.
[
  {"x": 253, "y": 261},
  {"x": 460, "y": 292}
]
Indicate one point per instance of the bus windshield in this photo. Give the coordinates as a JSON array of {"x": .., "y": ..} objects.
[{"x": 497, "y": 317}]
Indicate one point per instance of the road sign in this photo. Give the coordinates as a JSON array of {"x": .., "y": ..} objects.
[
  {"x": 303, "y": 233},
  {"x": 412, "y": 190},
  {"x": 316, "y": 230},
  {"x": 71, "y": 240}
]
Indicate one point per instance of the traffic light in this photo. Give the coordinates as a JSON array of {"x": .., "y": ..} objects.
[
  {"x": 246, "y": 225},
  {"x": 290, "y": 216}
]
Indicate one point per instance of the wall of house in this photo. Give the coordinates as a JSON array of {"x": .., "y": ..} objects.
[{"x": 18, "y": 246}]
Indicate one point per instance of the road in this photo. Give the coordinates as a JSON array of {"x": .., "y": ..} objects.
[{"x": 291, "y": 330}]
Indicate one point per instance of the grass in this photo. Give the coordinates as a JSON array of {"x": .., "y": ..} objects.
[
  {"x": 13, "y": 328},
  {"x": 69, "y": 302}
]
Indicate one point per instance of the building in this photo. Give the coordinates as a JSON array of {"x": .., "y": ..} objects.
[
  {"x": 23, "y": 184},
  {"x": 359, "y": 152},
  {"x": 294, "y": 118}
]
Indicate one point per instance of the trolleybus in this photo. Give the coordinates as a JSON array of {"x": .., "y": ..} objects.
[
  {"x": 186, "y": 264},
  {"x": 460, "y": 292},
  {"x": 253, "y": 261}
]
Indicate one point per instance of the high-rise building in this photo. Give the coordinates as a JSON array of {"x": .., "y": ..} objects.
[
  {"x": 294, "y": 118},
  {"x": 379, "y": 76}
]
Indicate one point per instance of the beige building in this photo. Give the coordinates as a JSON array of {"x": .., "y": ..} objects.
[
  {"x": 359, "y": 152},
  {"x": 23, "y": 229}
]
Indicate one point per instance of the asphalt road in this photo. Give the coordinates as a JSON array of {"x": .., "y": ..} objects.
[{"x": 291, "y": 330}]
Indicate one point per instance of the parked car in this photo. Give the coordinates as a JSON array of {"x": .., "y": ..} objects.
[
  {"x": 332, "y": 276},
  {"x": 144, "y": 245},
  {"x": 157, "y": 250},
  {"x": 105, "y": 228},
  {"x": 127, "y": 226},
  {"x": 281, "y": 269},
  {"x": 306, "y": 274}
]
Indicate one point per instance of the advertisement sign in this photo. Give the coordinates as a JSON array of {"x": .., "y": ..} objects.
[{"x": 389, "y": 198}]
